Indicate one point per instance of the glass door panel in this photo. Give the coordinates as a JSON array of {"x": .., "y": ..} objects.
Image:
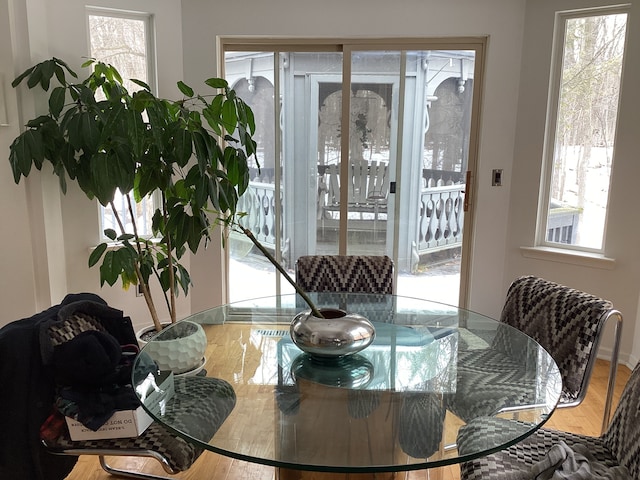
[
  {"x": 438, "y": 100},
  {"x": 375, "y": 80}
]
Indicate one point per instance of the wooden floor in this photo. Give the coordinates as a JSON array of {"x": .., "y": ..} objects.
[{"x": 585, "y": 419}]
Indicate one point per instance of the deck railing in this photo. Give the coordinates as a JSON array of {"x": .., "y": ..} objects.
[
  {"x": 259, "y": 204},
  {"x": 440, "y": 218},
  {"x": 439, "y": 224}
]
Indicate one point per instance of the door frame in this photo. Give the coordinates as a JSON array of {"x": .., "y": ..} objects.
[{"x": 478, "y": 44}]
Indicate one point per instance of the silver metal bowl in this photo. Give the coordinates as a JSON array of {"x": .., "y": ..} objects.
[{"x": 337, "y": 334}]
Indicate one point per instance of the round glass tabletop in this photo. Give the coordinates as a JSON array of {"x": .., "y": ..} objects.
[{"x": 402, "y": 403}]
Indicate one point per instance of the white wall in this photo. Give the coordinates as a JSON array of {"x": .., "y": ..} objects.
[
  {"x": 17, "y": 292},
  {"x": 620, "y": 284}
]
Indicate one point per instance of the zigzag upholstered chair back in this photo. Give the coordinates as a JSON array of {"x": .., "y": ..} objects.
[
  {"x": 345, "y": 273},
  {"x": 568, "y": 323}
]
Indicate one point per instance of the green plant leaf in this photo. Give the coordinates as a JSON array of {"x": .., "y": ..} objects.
[
  {"x": 229, "y": 116},
  {"x": 110, "y": 233},
  {"x": 157, "y": 223},
  {"x": 185, "y": 89},
  {"x": 141, "y": 83},
  {"x": 64, "y": 64},
  {"x": 201, "y": 192},
  {"x": 48, "y": 69},
  {"x": 68, "y": 158},
  {"x": 22, "y": 76},
  {"x": 60, "y": 75},
  {"x": 183, "y": 141},
  {"x": 103, "y": 176},
  {"x": 56, "y": 101},
  {"x": 126, "y": 261},
  {"x": 73, "y": 130},
  {"x": 110, "y": 268},
  {"x": 36, "y": 147},
  {"x": 19, "y": 158},
  {"x": 35, "y": 76},
  {"x": 201, "y": 150},
  {"x": 227, "y": 196},
  {"x": 184, "y": 279},
  {"x": 197, "y": 230},
  {"x": 97, "y": 254},
  {"x": 90, "y": 132},
  {"x": 216, "y": 83},
  {"x": 179, "y": 223},
  {"x": 164, "y": 280}
]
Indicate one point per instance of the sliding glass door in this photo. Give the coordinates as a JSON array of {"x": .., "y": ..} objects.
[{"x": 362, "y": 150}]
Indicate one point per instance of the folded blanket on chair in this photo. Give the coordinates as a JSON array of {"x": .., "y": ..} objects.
[{"x": 564, "y": 463}]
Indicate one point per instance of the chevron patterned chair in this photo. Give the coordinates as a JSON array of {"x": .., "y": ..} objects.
[
  {"x": 618, "y": 447},
  {"x": 331, "y": 275},
  {"x": 201, "y": 407},
  {"x": 345, "y": 273},
  {"x": 568, "y": 323},
  {"x": 204, "y": 404}
]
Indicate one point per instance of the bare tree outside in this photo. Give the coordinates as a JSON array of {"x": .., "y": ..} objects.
[
  {"x": 585, "y": 128},
  {"x": 121, "y": 42}
]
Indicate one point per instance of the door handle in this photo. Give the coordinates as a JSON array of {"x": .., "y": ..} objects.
[{"x": 467, "y": 191}]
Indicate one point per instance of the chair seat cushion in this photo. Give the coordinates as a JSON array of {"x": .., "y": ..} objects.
[
  {"x": 515, "y": 462},
  {"x": 199, "y": 407},
  {"x": 489, "y": 381}
]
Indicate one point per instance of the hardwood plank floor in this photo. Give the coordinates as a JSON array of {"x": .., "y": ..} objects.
[{"x": 585, "y": 419}]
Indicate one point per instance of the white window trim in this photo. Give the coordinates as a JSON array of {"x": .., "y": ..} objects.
[
  {"x": 147, "y": 18},
  {"x": 571, "y": 257},
  {"x": 544, "y": 249}
]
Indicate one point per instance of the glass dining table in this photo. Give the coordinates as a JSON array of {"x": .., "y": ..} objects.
[{"x": 397, "y": 405}]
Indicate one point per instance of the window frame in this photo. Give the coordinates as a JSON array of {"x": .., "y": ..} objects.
[
  {"x": 551, "y": 122},
  {"x": 151, "y": 62}
]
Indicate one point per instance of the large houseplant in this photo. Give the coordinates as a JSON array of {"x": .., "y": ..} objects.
[{"x": 194, "y": 152}]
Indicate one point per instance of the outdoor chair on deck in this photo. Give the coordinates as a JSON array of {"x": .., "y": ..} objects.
[
  {"x": 568, "y": 323},
  {"x": 618, "y": 447}
]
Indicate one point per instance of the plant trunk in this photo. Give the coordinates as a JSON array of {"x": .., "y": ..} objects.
[
  {"x": 147, "y": 298},
  {"x": 172, "y": 277},
  {"x": 146, "y": 293}
]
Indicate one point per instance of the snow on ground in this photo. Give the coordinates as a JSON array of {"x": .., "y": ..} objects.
[{"x": 255, "y": 280}]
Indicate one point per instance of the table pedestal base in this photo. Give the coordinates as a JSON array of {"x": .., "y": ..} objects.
[{"x": 288, "y": 474}]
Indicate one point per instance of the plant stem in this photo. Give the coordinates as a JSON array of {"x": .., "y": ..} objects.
[
  {"x": 146, "y": 293},
  {"x": 275, "y": 263},
  {"x": 172, "y": 287}
]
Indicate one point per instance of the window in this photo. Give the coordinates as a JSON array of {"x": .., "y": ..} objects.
[
  {"x": 585, "y": 89},
  {"x": 123, "y": 39}
]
